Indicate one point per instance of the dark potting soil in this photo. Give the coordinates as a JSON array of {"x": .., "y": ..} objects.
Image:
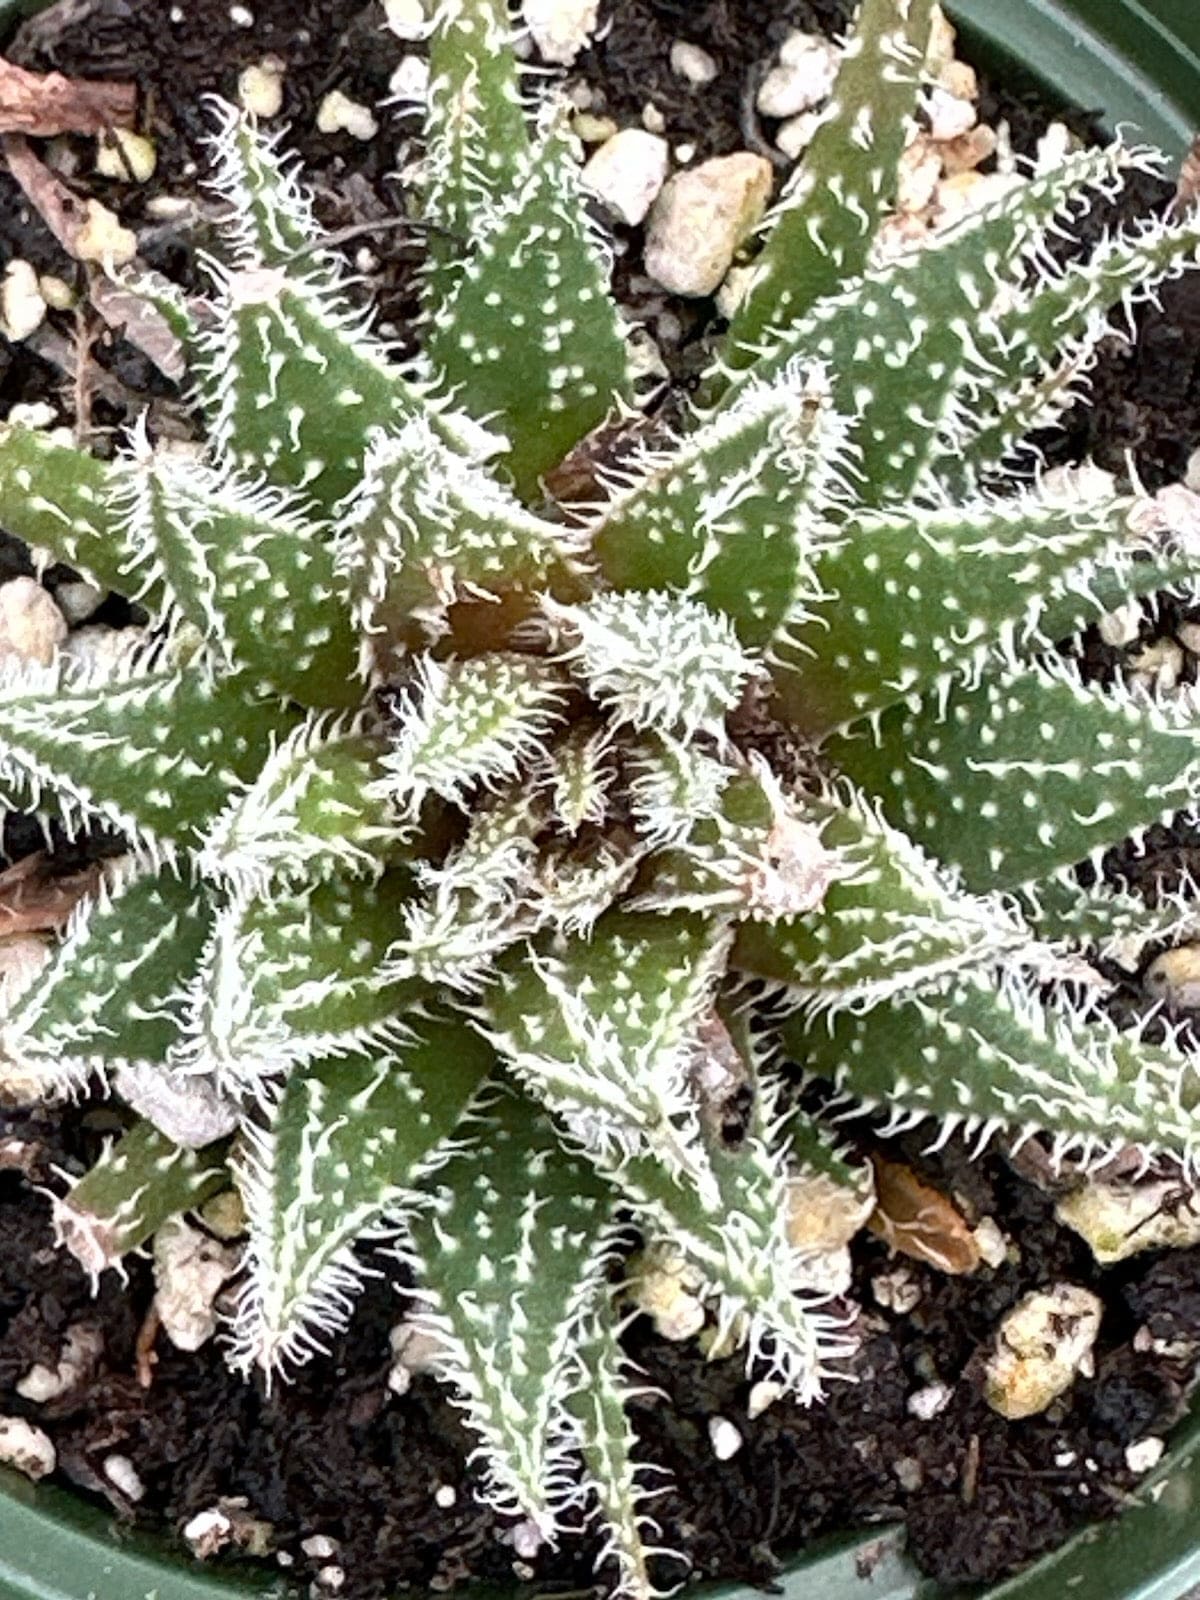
[{"x": 336, "y": 1453}]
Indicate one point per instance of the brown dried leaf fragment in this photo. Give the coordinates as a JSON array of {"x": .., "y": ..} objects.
[
  {"x": 918, "y": 1221},
  {"x": 47, "y": 103},
  {"x": 34, "y": 898}
]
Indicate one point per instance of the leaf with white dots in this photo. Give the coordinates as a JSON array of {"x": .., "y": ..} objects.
[
  {"x": 1029, "y": 773},
  {"x": 892, "y": 919},
  {"x": 153, "y": 752},
  {"x": 425, "y": 529},
  {"x": 312, "y": 811},
  {"x": 910, "y": 598},
  {"x": 906, "y": 347},
  {"x": 983, "y": 1057},
  {"x": 62, "y": 501},
  {"x": 295, "y": 977},
  {"x": 600, "y": 1029},
  {"x": 245, "y": 566},
  {"x": 1043, "y": 344},
  {"x": 833, "y": 205},
  {"x": 111, "y": 995},
  {"x": 616, "y": 1479},
  {"x": 529, "y": 334},
  {"x": 140, "y": 1182},
  {"x": 335, "y": 1159},
  {"x": 654, "y": 660},
  {"x": 509, "y": 1260},
  {"x": 1117, "y": 922},
  {"x": 726, "y": 516},
  {"x": 471, "y": 724},
  {"x": 476, "y": 139},
  {"x": 756, "y": 855}
]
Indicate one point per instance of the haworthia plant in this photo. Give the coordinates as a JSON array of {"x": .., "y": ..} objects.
[{"x": 483, "y": 861}]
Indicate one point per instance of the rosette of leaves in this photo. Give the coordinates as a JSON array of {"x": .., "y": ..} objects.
[{"x": 457, "y": 910}]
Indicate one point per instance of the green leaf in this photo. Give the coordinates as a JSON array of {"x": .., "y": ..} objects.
[
  {"x": 599, "y": 1031},
  {"x": 608, "y": 1444},
  {"x": 900, "y": 344},
  {"x": 509, "y": 1260},
  {"x": 832, "y": 207},
  {"x": 471, "y": 723},
  {"x": 727, "y": 516},
  {"x": 476, "y": 140},
  {"x": 910, "y": 599},
  {"x": 298, "y": 977},
  {"x": 1042, "y": 344},
  {"x": 983, "y": 1058},
  {"x": 65, "y": 504},
  {"x": 335, "y": 1161},
  {"x": 138, "y": 1184},
  {"x": 1119, "y": 924},
  {"x": 654, "y": 659},
  {"x": 152, "y": 751},
  {"x": 892, "y": 919},
  {"x": 529, "y": 334},
  {"x": 313, "y": 810},
  {"x": 112, "y": 995},
  {"x": 426, "y": 529},
  {"x": 1027, "y": 774},
  {"x": 243, "y": 564}
]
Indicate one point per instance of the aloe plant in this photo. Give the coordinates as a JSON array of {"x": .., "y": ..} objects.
[{"x": 462, "y": 900}]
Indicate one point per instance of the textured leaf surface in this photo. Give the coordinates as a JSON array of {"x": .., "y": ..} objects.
[
  {"x": 339, "y": 1155},
  {"x": 112, "y": 995},
  {"x": 894, "y": 921},
  {"x": 313, "y": 810},
  {"x": 138, "y": 1183},
  {"x": 297, "y": 977},
  {"x": 155, "y": 753},
  {"x": 426, "y": 529},
  {"x": 529, "y": 335},
  {"x": 984, "y": 1058},
  {"x": 832, "y": 207},
  {"x": 63, "y": 502},
  {"x": 726, "y": 517},
  {"x": 910, "y": 597},
  {"x": 249, "y": 570},
  {"x": 471, "y": 723},
  {"x": 509, "y": 1259},
  {"x": 1029, "y": 773}
]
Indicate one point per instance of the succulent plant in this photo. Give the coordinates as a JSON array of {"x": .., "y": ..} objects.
[{"x": 487, "y": 856}]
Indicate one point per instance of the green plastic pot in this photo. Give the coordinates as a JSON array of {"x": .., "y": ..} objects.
[{"x": 1137, "y": 63}]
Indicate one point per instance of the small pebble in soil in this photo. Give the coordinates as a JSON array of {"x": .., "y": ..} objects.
[
  {"x": 808, "y": 64},
  {"x": 31, "y": 625},
  {"x": 897, "y": 1290},
  {"x": 126, "y": 157},
  {"x": 319, "y": 1546},
  {"x": 189, "y": 1272},
  {"x": 260, "y": 88},
  {"x": 1119, "y": 1220},
  {"x": 406, "y": 18},
  {"x": 123, "y": 1475},
  {"x": 701, "y": 217},
  {"x": 26, "y": 1448},
  {"x": 241, "y": 16},
  {"x": 1145, "y": 1454},
  {"x": 526, "y": 1539},
  {"x": 628, "y": 171},
  {"x": 926, "y": 1403},
  {"x": 1040, "y": 1346},
  {"x": 1158, "y": 666},
  {"x": 413, "y": 1351},
  {"x": 1122, "y": 626},
  {"x": 445, "y": 1495},
  {"x": 81, "y": 1349},
  {"x": 692, "y": 63},
  {"x": 561, "y": 28},
  {"x": 762, "y": 1396},
  {"x": 22, "y": 307},
  {"x": 337, "y": 113},
  {"x": 78, "y": 600},
  {"x": 207, "y": 1533},
  {"x": 1174, "y": 978},
  {"x": 725, "y": 1439},
  {"x": 410, "y": 80},
  {"x": 103, "y": 239}
]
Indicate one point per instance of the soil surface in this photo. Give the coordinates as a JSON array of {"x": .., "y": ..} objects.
[{"x": 378, "y": 1480}]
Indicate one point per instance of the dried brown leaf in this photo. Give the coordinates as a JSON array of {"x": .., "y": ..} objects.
[
  {"x": 918, "y": 1221},
  {"x": 47, "y": 103}
]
